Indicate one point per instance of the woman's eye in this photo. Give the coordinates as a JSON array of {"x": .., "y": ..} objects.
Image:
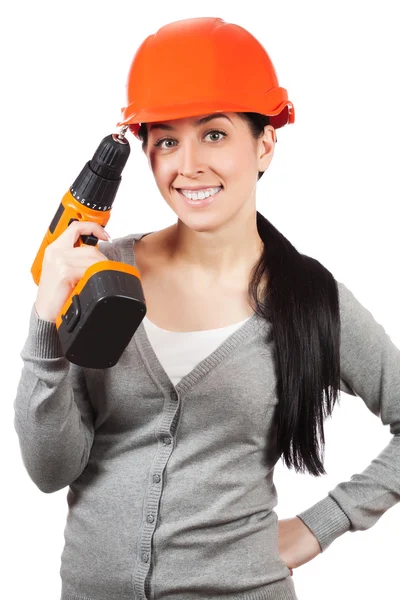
[
  {"x": 159, "y": 142},
  {"x": 215, "y": 131}
]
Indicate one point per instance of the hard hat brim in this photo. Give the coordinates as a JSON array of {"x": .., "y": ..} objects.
[{"x": 133, "y": 114}]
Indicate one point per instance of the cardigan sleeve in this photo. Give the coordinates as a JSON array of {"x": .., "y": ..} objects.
[
  {"x": 370, "y": 369},
  {"x": 53, "y": 413}
]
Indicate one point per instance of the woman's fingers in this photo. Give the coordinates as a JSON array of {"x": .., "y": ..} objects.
[
  {"x": 70, "y": 236},
  {"x": 64, "y": 265}
]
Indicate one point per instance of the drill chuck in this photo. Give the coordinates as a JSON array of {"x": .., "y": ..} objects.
[{"x": 97, "y": 184}]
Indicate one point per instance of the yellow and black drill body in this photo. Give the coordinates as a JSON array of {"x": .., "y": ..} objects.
[{"x": 106, "y": 307}]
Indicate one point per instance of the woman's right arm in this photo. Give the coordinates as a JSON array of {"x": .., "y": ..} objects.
[
  {"x": 54, "y": 418},
  {"x": 53, "y": 413}
]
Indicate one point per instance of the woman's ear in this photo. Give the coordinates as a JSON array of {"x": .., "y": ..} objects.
[{"x": 267, "y": 145}]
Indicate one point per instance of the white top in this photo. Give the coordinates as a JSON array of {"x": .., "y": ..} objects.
[{"x": 180, "y": 351}]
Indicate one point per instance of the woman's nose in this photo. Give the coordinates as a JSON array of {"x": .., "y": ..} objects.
[{"x": 191, "y": 159}]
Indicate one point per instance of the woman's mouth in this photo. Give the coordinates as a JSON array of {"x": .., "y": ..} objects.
[{"x": 201, "y": 202}]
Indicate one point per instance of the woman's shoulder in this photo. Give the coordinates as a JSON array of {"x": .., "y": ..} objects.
[{"x": 120, "y": 248}]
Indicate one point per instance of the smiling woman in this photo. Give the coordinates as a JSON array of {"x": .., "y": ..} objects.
[
  {"x": 243, "y": 351},
  {"x": 195, "y": 156}
]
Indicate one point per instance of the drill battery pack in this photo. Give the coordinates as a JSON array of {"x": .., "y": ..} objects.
[{"x": 101, "y": 315}]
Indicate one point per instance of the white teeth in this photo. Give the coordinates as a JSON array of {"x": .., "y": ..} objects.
[{"x": 200, "y": 195}]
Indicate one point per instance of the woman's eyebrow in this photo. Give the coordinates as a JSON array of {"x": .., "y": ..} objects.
[{"x": 199, "y": 122}]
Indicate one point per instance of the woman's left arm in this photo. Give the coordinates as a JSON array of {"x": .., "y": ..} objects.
[{"x": 370, "y": 369}]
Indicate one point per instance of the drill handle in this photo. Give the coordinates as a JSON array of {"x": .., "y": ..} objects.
[{"x": 69, "y": 210}]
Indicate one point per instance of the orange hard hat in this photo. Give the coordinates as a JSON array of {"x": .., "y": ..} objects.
[{"x": 201, "y": 66}]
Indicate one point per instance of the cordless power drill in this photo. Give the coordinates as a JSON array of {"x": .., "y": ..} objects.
[{"x": 106, "y": 307}]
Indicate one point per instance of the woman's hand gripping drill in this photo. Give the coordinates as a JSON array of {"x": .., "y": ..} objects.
[{"x": 64, "y": 265}]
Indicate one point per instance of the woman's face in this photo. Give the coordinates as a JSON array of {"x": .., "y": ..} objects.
[{"x": 208, "y": 151}]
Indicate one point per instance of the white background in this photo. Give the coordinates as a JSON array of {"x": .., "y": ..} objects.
[{"x": 332, "y": 189}]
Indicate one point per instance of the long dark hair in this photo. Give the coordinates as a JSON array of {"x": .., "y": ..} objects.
[{"x": 301, "y": 301}]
